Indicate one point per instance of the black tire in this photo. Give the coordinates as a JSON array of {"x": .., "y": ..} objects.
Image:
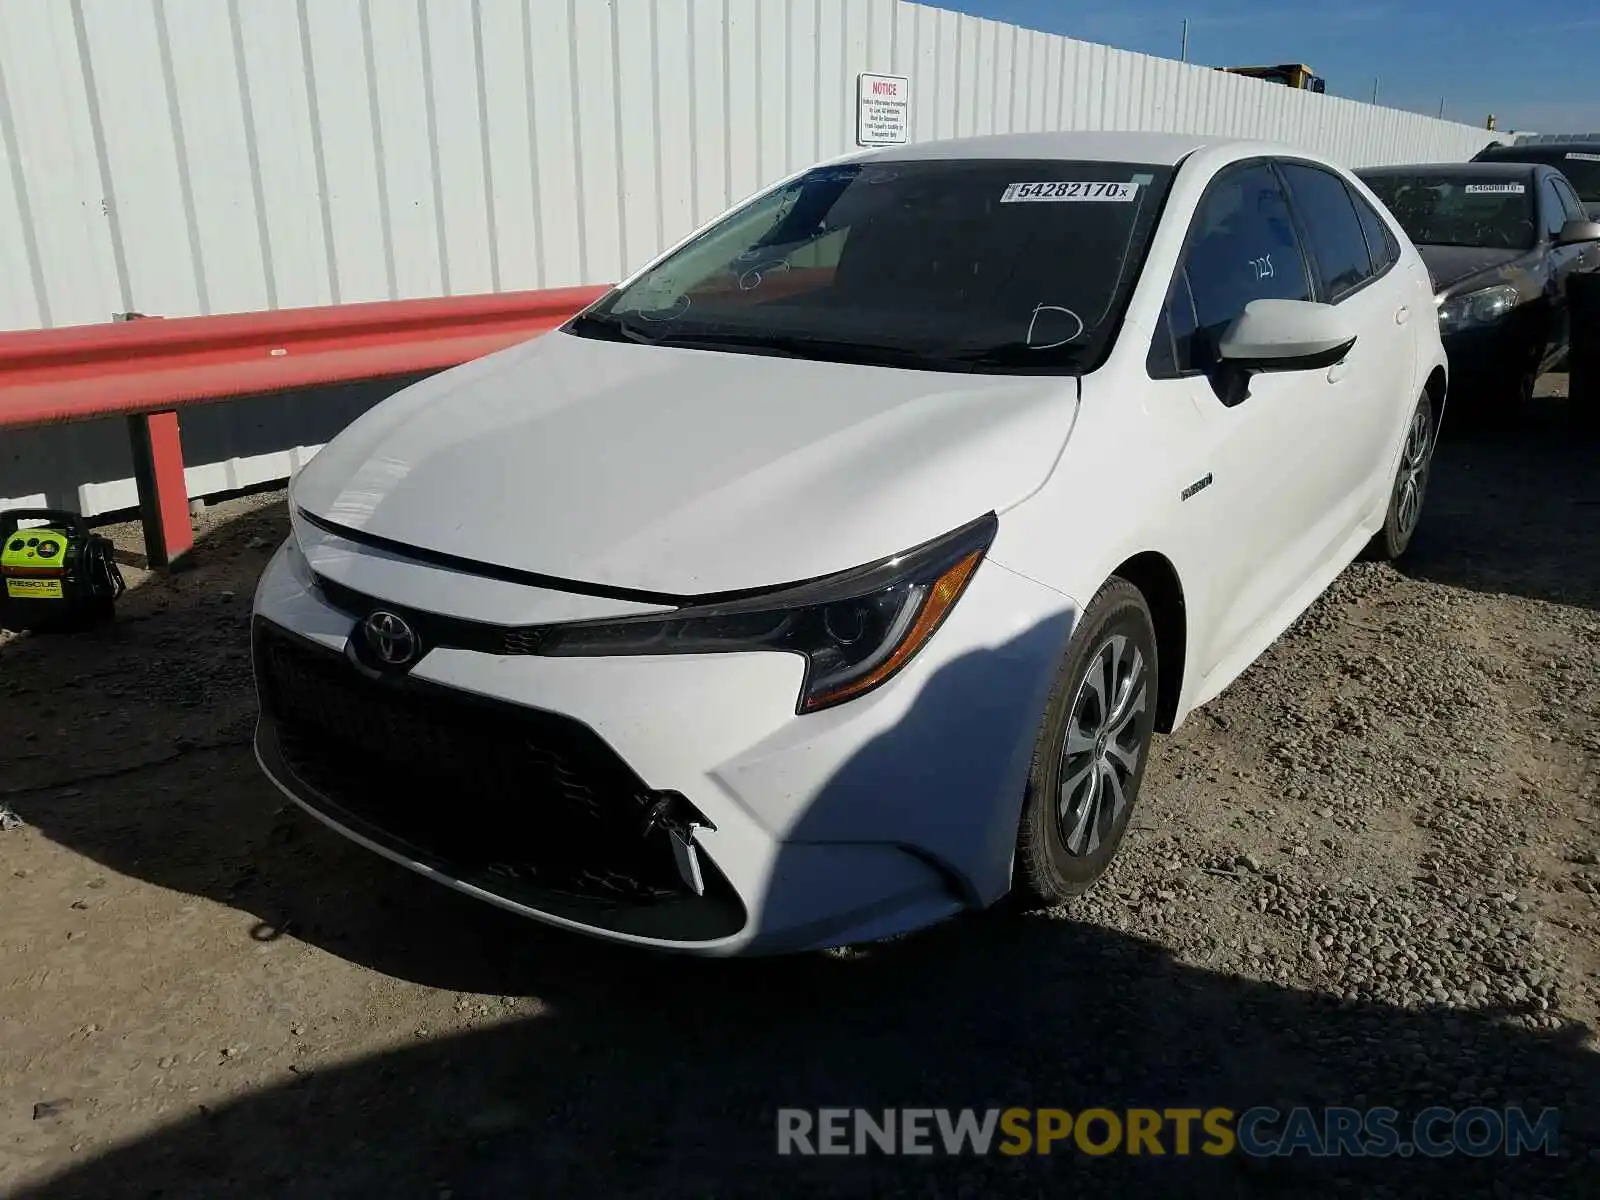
[
  {"x": 1059, "y": 857},
  {"x": 1409, "y": 488}
]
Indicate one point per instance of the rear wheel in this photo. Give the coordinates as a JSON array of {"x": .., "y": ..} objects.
[
  {"x": 1092, "y": 750},
  {"x": 1410, "y": 486}
]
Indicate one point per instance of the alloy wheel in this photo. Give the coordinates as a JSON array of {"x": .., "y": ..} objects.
[
  {"x": 1100, "y": 758},
  {"x": 1413, "y": 479}
]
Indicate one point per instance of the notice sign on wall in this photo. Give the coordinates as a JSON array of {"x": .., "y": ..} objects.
[{"x": 883, "y": 110}]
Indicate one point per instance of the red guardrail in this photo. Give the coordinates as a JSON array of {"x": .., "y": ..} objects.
[{"x": 147, "y": 369}]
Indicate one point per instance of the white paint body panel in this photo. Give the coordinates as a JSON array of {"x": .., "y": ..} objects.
[
  {"x": 689, "y": 472},
  {"x": 685, "y": 471}
]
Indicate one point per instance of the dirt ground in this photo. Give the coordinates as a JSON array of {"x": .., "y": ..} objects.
[{"x": 1369, "y": 874}]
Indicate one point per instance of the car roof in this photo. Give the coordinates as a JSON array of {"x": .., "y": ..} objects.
[
  {"x": 1156, "y": 148},
  {"x": 1547, "y": 141},
  {"x": 1484, "y": 170}
]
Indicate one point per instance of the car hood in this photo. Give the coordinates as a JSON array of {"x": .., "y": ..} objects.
[
  {"x": 684, "y": 472},
  {"x": 1451, "y": 265}
]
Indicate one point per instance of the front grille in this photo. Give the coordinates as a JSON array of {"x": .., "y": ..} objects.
[
  {"x": 484, "y": 788},
  {"x": 434, "y": 629}
]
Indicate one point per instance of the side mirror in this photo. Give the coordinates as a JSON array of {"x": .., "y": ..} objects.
[
  {"x": 1576, "y": 231},
  {"x": 1286, "y": 335}
]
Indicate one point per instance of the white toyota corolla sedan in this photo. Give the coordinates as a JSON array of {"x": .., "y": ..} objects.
[{"x": 831, "y": 575}]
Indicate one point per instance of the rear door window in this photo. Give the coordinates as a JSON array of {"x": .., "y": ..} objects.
[
  {"x": 1338, "y": 245},
  {"x": 1381, "y": 243}
]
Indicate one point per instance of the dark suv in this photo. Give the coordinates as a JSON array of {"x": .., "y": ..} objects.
[{"x": 1578, "y": 158}]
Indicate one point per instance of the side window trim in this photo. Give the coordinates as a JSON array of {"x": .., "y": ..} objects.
[
  {"x": 1182, "y": 293},
  {"x": 1561, "y": 194},
  {"x": 1319, "y": 286},
  {"x": 1164, "y": 325},
  {"x": 1374, "y": 273},
  {"x": 1573, "y": 204},
  {"x": 1308, "y": 260},
  {"x": 1161, "y": 359},
  {"x": 1549, "y": 195},
  {"x": 1390, "y": 248}
]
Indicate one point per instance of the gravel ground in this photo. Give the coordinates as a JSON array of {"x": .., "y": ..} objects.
[{"x": 1369, "y": 874}]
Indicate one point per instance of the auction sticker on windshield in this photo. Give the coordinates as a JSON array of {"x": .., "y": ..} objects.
[
  {"x": 1579, "y": 156},
  {"x": 1494, "y": 189},
  {"x": 1017, "y": 192}
]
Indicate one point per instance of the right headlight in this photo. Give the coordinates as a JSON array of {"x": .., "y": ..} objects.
[
  {"x": 1482, "y": 307},
  {"x": 856, "y": 630}
]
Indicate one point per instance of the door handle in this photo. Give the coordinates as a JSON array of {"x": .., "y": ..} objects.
[
  {"x": 1339, "y": 370},
  {"x": 1402, "y": 314}
]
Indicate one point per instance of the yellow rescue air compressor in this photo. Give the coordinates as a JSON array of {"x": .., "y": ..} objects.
[{"x": 57, "y": 577}]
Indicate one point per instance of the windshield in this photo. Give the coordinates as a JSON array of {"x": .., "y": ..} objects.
[
  {"x": 1460, "y": 210},
  {"x": 982, "y": 264},
  {"x": 1582, "y": 167}
]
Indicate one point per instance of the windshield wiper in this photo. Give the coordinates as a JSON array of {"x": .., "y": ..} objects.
[
  {"x": 818, "y": 348},
  {"x": 788, "y": 345},
  {"x": 1011, "y": 354},
  {"x": 612, "y": 328},
  {"x": 965, "y": 356}
]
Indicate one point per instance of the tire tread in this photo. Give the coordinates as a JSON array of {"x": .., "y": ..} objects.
[{"x": 1035, "y": 881}]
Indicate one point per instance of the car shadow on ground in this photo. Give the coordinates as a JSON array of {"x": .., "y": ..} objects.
[
  {"x": 1514, "y": 507},
  {"x": 646, "y": 1075},
  {"x": 651, "y": 1077}
]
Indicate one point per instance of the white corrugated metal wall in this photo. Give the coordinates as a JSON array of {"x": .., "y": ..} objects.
[{"x": 195, "y": 156}]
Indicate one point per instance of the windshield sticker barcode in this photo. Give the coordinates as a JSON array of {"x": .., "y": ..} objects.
[
  {"x": 1581, "y": 157},
  {"x": 1016, "y": 193},
  {"x": 1494, "y": 189}
]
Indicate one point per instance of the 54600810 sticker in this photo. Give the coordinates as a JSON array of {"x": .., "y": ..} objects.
[
  {"x": 1494, "y": 189},
  {"x": 1580, "y": 156},
  {"x": 1016, "y": 193}
]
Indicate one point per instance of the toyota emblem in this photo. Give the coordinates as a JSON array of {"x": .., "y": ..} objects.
[{"x": 389, "y": 638}]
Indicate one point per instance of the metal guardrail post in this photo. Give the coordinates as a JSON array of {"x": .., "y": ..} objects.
[
  {"x": 159, "y": 480},
  {"x": 163, "y": 493}
]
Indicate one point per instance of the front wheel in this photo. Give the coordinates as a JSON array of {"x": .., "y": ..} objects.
[
  {"x": 1092, "y": 749},
  {"x": 1410, "y": 486}
]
